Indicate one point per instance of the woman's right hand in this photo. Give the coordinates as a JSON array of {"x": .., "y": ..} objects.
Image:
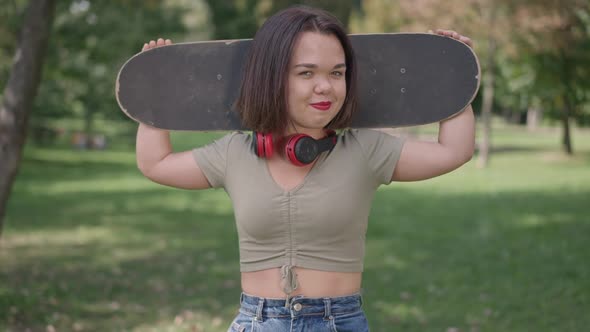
[
  {"x": 157, "y": 43},
  {"x": 155, "y": 158}
]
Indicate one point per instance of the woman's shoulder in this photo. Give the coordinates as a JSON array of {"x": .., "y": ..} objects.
[
  {"x": 234, "y": 140},
  {"x": 234, "y": 137},
  {"x": 370, "y": 140},
  {"x": 241, "y": 138},
  {"x": 362, "y": 135}
]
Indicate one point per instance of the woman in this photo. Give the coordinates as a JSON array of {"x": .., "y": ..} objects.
[{"x": 301, "y": 193}]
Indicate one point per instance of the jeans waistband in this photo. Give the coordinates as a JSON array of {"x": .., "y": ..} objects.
[{"x": 299, "y": 305}]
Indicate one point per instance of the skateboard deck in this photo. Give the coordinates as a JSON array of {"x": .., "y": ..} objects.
[{"x": 404, "y": 79}]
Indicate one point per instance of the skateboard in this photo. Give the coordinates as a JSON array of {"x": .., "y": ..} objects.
[{"x": 404, "y": 79}]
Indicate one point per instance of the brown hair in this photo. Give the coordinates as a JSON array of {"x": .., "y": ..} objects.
[{"x": 262, "y": 103}]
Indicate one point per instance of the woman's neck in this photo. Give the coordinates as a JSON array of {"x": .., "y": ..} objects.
[{"x": 318, "y": 133}]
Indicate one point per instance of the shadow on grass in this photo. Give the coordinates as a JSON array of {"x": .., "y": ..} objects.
[{"x": 51, "y": 169}]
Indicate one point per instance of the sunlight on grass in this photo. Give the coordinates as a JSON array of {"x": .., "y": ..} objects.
[
  {"x": 75, "y": 157},
  {"x": 214, "y": 202},
  {"x": 537, "y": 220},
  {"x": 128, "y": 184},
  {"x": 77, "y": 236},
  {"x": 116, "y": 246}
]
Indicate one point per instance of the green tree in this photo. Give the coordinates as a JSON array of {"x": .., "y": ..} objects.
[
  {"x": 90, "y": 42},
  {"x": 233, "y": 19},
  {"x": 20, "y": 90},
  {"x": 93, "y": 38},
  {"x": 559, "y": 51},
  {"x": 534, "y": 54},
  {"x": 236, "y": 19},
  {"x": 341, "y": 9}
]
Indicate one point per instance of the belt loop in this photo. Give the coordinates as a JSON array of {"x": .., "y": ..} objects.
[
  {"x": 259, "y": 309},
  {"x": 241, "y": 298},
  {"x": 327, "y": 308}
]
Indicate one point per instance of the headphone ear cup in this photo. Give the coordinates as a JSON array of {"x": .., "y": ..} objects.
[
  {"x": 257, "y": 144},
  {"x": 268, "y": 146},
  {"x": 291, "y": 149},
  {"x": 262, "y": 145}
]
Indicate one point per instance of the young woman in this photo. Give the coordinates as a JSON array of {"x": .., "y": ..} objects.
[{"x": 302, "y": 193}]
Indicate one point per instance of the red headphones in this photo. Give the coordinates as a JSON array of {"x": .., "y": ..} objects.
[{"x": 300, "y": 149}]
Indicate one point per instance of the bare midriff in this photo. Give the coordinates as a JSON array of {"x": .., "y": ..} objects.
[{"x": 311, "y": 283}]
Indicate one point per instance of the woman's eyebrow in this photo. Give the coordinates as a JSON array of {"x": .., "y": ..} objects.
[{"x": 313, "y": 66}]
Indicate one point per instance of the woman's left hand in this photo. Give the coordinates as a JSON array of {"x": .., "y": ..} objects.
[{"x": 455, "y": 35}]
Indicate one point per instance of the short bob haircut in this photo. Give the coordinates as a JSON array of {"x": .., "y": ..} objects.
[{"x": 262, "y": 103}]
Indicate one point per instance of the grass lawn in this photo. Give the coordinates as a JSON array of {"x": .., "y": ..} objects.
[{"x": 90, "y": 245}]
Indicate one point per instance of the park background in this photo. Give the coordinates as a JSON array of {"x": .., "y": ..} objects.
[{"x": 88, "y": 244}]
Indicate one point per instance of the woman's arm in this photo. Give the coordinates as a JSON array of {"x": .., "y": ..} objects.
[
  {"x": 155, "y": 158},
  {"x": 421, "y": 160},
  {"x": 158, "y": 163}
]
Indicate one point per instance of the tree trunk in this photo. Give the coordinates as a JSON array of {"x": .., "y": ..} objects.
[
  {"x": 20, "y": 91},
  {"x": 534, "y": 116},
  {"x": 488, "y": 95},
  {"x": 565, "y": 120},
  {"x": 568, "y": 104}
]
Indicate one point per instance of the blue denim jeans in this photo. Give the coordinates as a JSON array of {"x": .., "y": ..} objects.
[{"x": 300, "y": 314}]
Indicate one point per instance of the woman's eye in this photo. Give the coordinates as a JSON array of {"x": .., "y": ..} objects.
[
  {"x": 305, "y": 73},
  {"x": 337, "y": 73}
]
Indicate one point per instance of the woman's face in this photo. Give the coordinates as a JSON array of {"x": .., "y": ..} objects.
[{"x": 316, "y": 86}]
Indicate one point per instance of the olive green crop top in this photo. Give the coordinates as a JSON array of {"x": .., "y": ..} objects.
[{"x": 320, "y": 224}]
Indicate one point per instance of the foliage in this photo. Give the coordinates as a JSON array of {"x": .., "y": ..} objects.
[
  {"x": 234, "y": 19},
  {"x": 11, "y": 15},
  {"x": 90, "y": 41},
  {"x": 543, "y": 46}
]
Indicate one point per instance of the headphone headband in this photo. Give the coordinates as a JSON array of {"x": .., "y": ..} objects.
[{"x": 300, "y": 149}]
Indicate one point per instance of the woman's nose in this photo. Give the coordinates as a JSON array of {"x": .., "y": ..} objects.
[{"x": 323, "y": 85}]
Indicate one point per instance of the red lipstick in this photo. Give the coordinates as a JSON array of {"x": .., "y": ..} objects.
[{"x": 322, "y": 106}]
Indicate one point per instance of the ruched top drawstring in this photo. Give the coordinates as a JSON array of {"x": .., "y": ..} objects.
[{"x": 288, "y": 281}]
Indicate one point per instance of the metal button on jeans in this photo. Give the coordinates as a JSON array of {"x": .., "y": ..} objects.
[{"x": 297, "y": 306}]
